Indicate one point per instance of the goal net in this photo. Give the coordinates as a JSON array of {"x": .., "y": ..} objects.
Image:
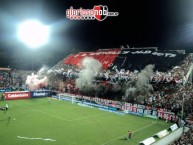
[{"x": 67, "y": 97}]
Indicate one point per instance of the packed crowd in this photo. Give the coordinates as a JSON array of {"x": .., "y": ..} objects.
[
  {"x": 176, "y": 75},
  {"x": 19, "y": 77},
  {"x": 13, "y": 79},
  {"x": 185, "y": 139},
  {"x": 172, "y": 98},
  {"x": 169, "y": 88},
  {"x": 189, "y": 119},
  {"x": 5, "y": 80},
  {"x": 61, "y": 70}
]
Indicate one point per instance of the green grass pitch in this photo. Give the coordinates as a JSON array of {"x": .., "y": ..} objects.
[{"x": 32, "y": 121}]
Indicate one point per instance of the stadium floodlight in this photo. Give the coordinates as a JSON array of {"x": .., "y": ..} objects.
[{"x": 33, "y": 33}]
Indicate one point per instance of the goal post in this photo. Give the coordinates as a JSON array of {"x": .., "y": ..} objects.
[{"x": 67, "y": 97}]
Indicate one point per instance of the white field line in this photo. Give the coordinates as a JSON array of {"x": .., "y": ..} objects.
[
  {"x": 45, "y": 139},
  {"x": 61, "y": 117},
  {"x": 110, "y": 141}
]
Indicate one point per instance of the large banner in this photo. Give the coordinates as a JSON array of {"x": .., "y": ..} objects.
[
  {"x": 133, "y": 109},
  {"x": 156, "y": 53},
  {"x": 17, "y": 95},
  {"x": 163, "y": 114},
  {"x": 136, "y": 109},
  {"x": 42, "y": 93},
  {"x": 5, "y": 90}
]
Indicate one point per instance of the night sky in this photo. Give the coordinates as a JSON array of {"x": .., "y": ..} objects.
[{"x": 166, "y": 24}]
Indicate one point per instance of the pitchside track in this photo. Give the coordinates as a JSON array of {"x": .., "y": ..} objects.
[{"x": 40, "y": 122}]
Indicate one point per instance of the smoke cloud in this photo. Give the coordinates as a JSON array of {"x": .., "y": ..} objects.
[
  {"x": 141, "y": 86},
  {"x": 37, "y": 81},
  {"x": 90, "y": 67}
]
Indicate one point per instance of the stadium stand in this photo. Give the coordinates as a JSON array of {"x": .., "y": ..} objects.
[
  {"x": 121, "y": 68},
  {"x": 185, "y": 139},
  {"x": 5, "y": 78}
]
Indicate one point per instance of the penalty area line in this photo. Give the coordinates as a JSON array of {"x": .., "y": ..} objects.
[{"x": 110, "y": 141}]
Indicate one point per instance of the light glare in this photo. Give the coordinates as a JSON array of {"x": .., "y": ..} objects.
[{"x": 33, "y": 33}]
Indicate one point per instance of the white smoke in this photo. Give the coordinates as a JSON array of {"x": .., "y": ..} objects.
[
  {"x": 144, "y": 77},
  {"x": 39, "y": 80},
  {"x": 43, "y": 71},
  {"x": 141, "y": 86},
  {"x": 91, "y": 67},
  {"x": 130, "y": 91}
]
